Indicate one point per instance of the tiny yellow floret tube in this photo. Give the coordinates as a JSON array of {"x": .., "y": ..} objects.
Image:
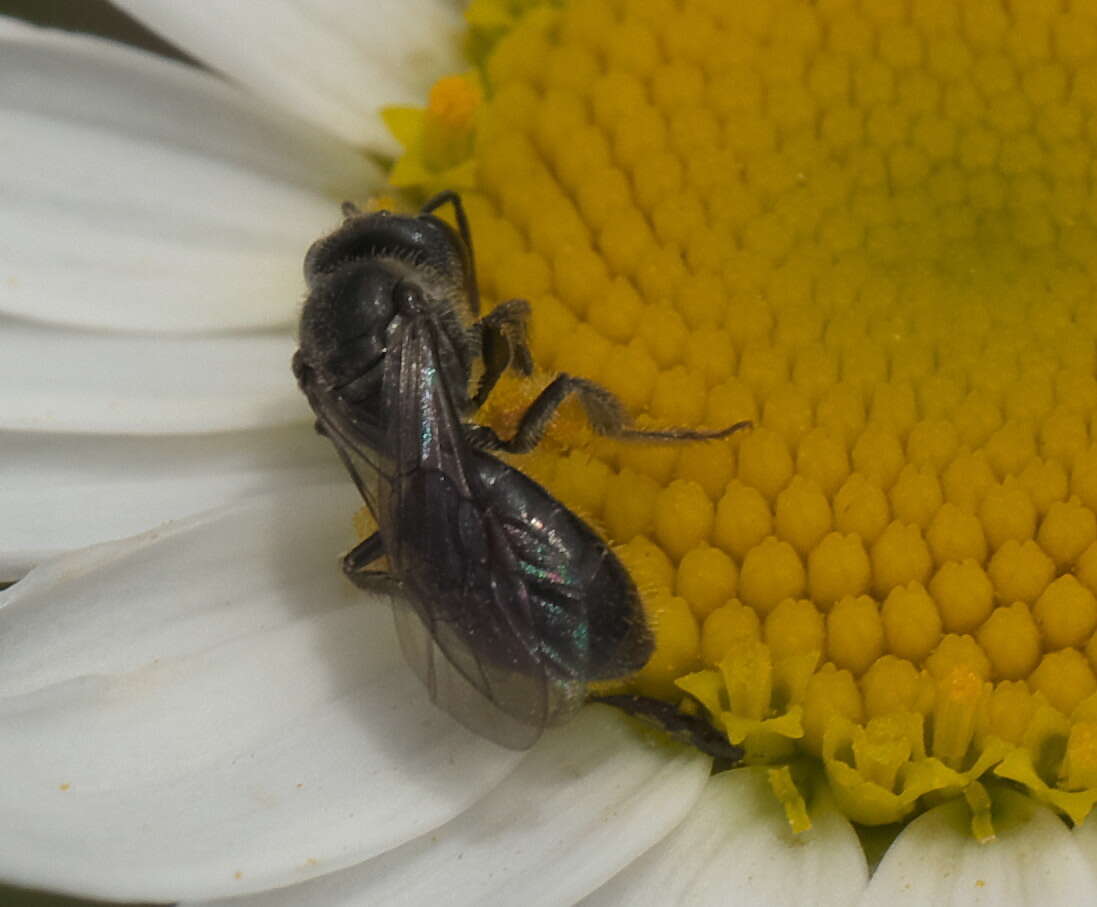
[{"x": 869, "y": 227}]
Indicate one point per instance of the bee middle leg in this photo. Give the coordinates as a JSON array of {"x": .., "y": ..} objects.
[
  {"x": 356, "y": 566},
  {"x": 606, "y": 414},
  {"x": 503, "y": 344}
]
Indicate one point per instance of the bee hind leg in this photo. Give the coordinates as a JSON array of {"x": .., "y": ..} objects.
[
  {"x": 691, "y": 729},
  {"x": 606, "y": 413},
  {"x": 356, "y": 565}
]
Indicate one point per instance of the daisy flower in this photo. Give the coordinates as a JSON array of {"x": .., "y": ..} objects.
[{"x": 865, "y": 225}]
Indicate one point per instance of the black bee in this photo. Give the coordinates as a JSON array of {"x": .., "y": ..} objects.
[{"x": 506, "y": 603}]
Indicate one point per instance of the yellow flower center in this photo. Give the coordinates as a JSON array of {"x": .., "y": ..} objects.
[{"x": 869, "y": 227}]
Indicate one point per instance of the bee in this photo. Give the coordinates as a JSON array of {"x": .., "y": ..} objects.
[{"x": 506, "y": 603}]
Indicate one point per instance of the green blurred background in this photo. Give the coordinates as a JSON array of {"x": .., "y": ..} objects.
[{"x": 99, "y": 18}]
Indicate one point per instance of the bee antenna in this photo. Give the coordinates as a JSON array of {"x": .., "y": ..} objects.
[{"x": 350, "y": 210}]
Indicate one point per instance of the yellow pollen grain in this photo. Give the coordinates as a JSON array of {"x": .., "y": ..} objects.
[
  {"x": 916, "y": 495},
  {"x": 1011, "y": 639},
  {"x": 629, "y": 508},
  {"x": 893, "y": 685},
  {"x": 1065, "y": 678},
  {"x": 748, "y": 680},
  {"x": 1007, "y": 512},
  {"x": 954, "y": 714},
  {"x": 899, "y": 555},
  {"x": 706, "y": 578},
  {"x": 725, "y": 628},
  {"x": 771, "y": 571},
  {"x": 1009, "y": 711},
  {"x": 794, "y": 627},
  {"x": 1067, "y": 530},
  {"x": 958, "y": 651},
  {"x": 880, "y": 751},
  {"x": 1066, "y": 613},
  {"x": 1020, "y": 571},
  {"x": 838, "y": 566},
  {"x": 1081, "y": 758},
  {"x": 867, "y": 228},
  {"x": 677, "y": 644},
  {"x": 956, "y": 534},
  {"x": 743, "y": 520},
  {"x": 861, "y": 507},
  {"x": 964, "y": 595},
  {"x": 683, "y": 517},
  {"x": 711, "y": 465},
  {"x": 1046, "y": 482},
  {"x": 912, "y": 622},
  {"x": 648, "y": 564},
  {"x": 830, "y": 693},
  {"x": 1085, "y": 568},
  {"x": 802, "y": 514},
  {"x": 966, "y": 479},
  {"x": 855, "y": 633}
]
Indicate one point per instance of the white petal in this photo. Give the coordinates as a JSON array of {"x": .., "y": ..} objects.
[
  {"x": 144, "y": 194},
  {"x": 61, "y": 492},
  {"x": 12, "y": 27},
  {"x": 54, "y": 380},
  {"x": 935, "y": 860},
  {"x": 590, "y": 798},
  {"x": 735, "y": 847},
  {"x": 210, "y": 709},
  {"x": 1085, "y": 835},
  {"x": 334, "y": 63}
]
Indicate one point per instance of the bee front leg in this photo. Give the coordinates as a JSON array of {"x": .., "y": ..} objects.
[
  {"x": 358, "y": 560},
  {"x": 449, "y": 197}
]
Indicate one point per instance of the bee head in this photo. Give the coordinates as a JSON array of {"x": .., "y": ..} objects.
[{"x": 346, "y": 318}]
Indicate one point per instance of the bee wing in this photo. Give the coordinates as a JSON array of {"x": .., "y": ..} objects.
[
  {"x": 475, "y": 706},
  {"x": 479, "y": 620},
  {"x": 366, "y": 467}
]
